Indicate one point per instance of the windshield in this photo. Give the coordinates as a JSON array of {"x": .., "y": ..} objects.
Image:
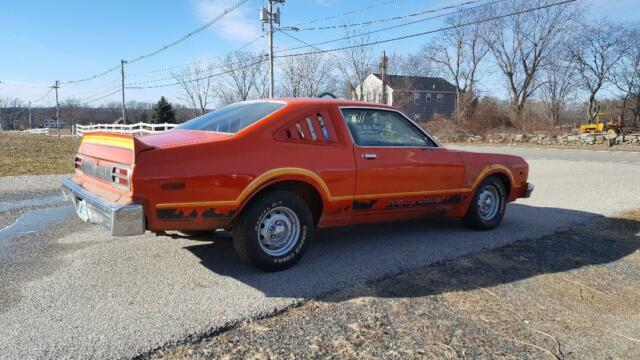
[{"x": 232, "y": 118}]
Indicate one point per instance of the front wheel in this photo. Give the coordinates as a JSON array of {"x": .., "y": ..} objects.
[
  {"x": 274, "y": 231},
  {"x": 487, "y": 206}
]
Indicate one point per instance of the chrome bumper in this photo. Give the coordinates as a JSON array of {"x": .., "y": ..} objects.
[
  {"x": 121, "y": 220},
  {"x": 529, "y": 190}
]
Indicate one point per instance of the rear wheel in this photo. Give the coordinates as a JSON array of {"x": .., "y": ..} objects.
[
  {"x": 274, "y": 231},
  {"x": 487, "y": 206}
]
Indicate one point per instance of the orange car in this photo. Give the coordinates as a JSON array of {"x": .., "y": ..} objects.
[{"x": 273, "y": 170}]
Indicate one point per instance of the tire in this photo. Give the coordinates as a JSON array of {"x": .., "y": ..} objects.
[
  {"x": 489, "y": 216},
  {"x": 274, "y": 231}
]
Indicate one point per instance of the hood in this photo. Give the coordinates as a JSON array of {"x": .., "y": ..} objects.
[{"x": 488, "y": 158}]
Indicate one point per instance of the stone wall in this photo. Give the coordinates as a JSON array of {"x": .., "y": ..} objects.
[{"x": 543, "y": 139}]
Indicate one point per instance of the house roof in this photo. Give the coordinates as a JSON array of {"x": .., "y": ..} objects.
[{"x": 420, "y": 83}]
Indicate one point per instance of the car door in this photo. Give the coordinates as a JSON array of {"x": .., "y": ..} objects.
[{"x": 399, "y": 168}]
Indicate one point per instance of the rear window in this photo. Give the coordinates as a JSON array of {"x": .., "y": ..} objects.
[{"x": 232, "y": 118}]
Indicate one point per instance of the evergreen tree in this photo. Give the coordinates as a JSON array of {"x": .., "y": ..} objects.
[{"x": 162, "y": 112}]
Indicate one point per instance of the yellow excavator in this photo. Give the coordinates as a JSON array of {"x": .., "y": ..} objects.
[{"x": 601, "y": 128}]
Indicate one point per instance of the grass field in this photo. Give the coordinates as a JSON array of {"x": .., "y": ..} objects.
[{"x": 31, "y": 154}]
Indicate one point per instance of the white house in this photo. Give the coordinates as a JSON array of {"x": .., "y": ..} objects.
[{"x": 421, "y": 98}]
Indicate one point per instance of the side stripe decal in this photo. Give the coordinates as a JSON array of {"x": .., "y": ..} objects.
[{"x": 258, "y": 181}]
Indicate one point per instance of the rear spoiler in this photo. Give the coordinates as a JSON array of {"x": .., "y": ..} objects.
[{"x": 125, "y": 141}]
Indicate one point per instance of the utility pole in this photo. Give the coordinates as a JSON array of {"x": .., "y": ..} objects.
[
  {"x": 270, "y": 17},
  {"x": 56, "y": 87},
  {"x": 124, "y": 113},
  {"x": 383, "y": 75},
  {"x": 29, "y": 114}
]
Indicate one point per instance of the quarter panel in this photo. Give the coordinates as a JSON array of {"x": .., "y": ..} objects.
[{"x": 219, "y": 177}]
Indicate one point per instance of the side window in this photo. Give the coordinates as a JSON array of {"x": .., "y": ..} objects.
[
  {"x": 374, "y": 127},
  {"x": 416, "y": 98},
  {"x": 440, "y": 97},
  {"x": 428, "y": 97},
  {"x": 314, "y": 128}
]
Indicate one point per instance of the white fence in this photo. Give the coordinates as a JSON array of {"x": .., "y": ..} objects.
[
  {"x": 38, "y": 131},
  {"x": 135, "y": 129}
]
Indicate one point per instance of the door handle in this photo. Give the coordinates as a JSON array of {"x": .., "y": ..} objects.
[{"x": 369, "y": 156}]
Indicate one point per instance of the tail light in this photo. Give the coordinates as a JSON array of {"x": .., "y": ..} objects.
[
  {"x": 121, "y": 176},
  {"x": 77, "y": 163}
]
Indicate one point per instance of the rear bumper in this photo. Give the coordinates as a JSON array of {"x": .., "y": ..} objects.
[
  {"x": 528, "y": 191},
  {"x": 120, "y": 220}
]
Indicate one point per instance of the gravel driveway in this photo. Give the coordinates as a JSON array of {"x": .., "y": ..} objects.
[{"x": 82, "y": 294}]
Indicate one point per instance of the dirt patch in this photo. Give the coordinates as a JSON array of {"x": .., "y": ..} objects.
[
  {"x": 571, "y": 295},
  {"x": 31, "y": 154}
]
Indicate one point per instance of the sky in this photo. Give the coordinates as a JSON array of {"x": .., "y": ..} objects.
[{"x": 43, "y": 41}]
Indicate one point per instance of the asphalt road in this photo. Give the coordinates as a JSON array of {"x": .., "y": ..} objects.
[{"x": 68, "y": 290}]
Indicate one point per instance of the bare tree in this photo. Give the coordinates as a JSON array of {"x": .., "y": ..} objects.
[
  {"x": 458, "y": 54},
  {"x": 3, "y": 104},
  {"x": 558, "y": 82},
  {"x": 113, "y": 108},
  {"x": 635, "y": 109},
  {"x": 520, "y": 44},
  {"x": 356, "y": 63},
  {"x": 243, "y": 79},
  {"x": 626, "y": 75},
  {"x": 595, "y": 50},
  {"x": 305, "y": 76},
  {"x": 10, "y": 111},
  {"x": 411, "y": 65},
  {"x": 196, "y": 84},
  {"x": 71, "y": 109}
]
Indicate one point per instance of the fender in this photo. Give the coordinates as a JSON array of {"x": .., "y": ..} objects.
[
  {"x": 487, "y": 171},
  {"x": 492, "y": 170},
  {"x": 285, "y": 174}
]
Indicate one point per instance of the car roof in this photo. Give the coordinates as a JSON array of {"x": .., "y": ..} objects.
[{"x": 328, "y": 101}]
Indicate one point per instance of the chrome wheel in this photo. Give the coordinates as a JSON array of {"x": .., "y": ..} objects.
[
  {"x": 489, "y": 202},
  {"x": 279, "y": 231}
]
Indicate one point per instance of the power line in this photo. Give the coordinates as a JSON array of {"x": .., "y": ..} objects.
[
  {"x": 399, "y": 25},
  {"x": 377, "y": 21},
  {"x": 43, "y": 96},
  {"x": 310, "y": 45},
  {"x": 117, "y": 90},
  {"x": 169, "y": 68},
  {"x": 176, "y": 76},
  {"x": 165, "y": 47},
  {"x": 351, "y": 12},
  {"x": 198, "y": 79},
  {"x": 92, "y": 91},
  {"x": 188, "y": 35},
  {"x": 497, "y": 17},
  {"x": 98, "y": 75},
  {"x": 320, "y": 51}
]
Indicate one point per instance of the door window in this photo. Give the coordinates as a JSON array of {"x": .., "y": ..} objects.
[{"x": 376, "y": 127}]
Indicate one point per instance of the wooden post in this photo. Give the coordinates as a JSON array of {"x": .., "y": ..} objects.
[{"x": 383, "y": 75}]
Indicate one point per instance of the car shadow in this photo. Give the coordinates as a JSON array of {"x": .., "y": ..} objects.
[{"x": 352, "y": 255}]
